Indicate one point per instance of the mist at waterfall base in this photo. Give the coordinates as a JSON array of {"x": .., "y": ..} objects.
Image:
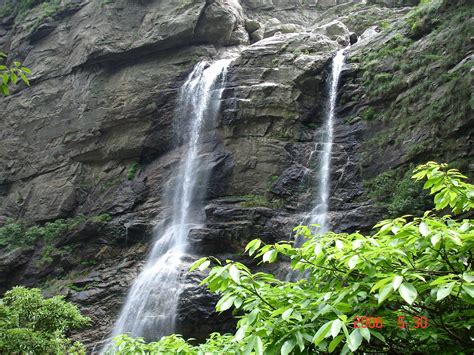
[
  {"x": 150, "y": 308},
  {"x": 319, "y": 212}
]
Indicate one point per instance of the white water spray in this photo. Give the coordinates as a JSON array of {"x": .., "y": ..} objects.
[
  {"x": 151, "y": 305},
  {"x": 318, "y": 214}
]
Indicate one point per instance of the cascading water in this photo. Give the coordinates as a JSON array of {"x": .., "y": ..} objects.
[
  {"x": 318, "y": 214},
  {"x": 151, "y": 305}
]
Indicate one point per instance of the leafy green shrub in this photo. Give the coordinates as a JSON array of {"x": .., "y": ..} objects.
[
  {"x": 368, "y": 114},
  {"x": 431, "y": 85},
  {"x": 132, "y": 171},
  {"x": 423, "y": 19},
  {"x": 255, "y": 201},
  {"x": 18, "y": 7},
  {"x": 31, "y": 324},
  {"x": 397, "y": 193},
  {"x": 414, "y": 274},
  {"x": 104, "y": 217},
  {"x": 15, "y": 233},
  {"x": 262, "y": 201},
  {"x": 10, "y": 76}
]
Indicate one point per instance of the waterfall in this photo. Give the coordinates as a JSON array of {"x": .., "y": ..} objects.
[
  {"x": 150, "y": 308},
  {"x": 318, "y": 214}
]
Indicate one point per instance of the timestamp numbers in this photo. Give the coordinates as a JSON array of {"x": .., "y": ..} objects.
[{"x": 402, "y": 323}]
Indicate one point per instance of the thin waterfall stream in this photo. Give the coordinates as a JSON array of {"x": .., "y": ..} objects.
[
  {"x": 150, "y": 308},
  {"x": 319, "y": 213}
]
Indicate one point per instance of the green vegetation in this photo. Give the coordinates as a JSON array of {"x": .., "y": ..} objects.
[
  {"x": 367, "y": 16},
  {"x": 19, "y": 8},
  {"x": 368, "y": 114},
  {"x": 422, "y": 295},
  {"x": 417, "y": 80},
  {"x": 16, "y": 233},
  {"x": 43, "y": 10},
  {"x": 104, "y": 217},
  {"x": 10, "y": 76},
  {"x": 31, "y": 324},
  {"x": 46, "y": 10},
  {"x": 397, "y": 193},
  {"x": 261, "y": 201},
  {"x": 283, "y": 134},
  {"x": 132, "y": 171}
]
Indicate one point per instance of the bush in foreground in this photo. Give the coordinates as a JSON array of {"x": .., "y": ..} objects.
[
  {"x": 31, "y": 324},
  {"x": 407, "y": 287}
]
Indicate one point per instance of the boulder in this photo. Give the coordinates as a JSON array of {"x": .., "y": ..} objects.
[
  {"x": 222, "y": 23},
  {"x": 274, "y": 26},
  {"x": 335, "y": 30},
  {"x": 252, "y": 25}
]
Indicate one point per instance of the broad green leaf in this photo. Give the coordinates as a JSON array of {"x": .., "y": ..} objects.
[
  {"x": 240, "y": 333},
  {"x": 468, "y": 277},
  {"x": 24, "y": 78},
  {"x": 13, "y": 77},
  {"x": 424, "y": 230},
  {"x": 339, "y": 244},
  {"x": 234, "y": 274},
  {"x": 258, "y": 346},
  {"x": 322, "y": 332},
  {"x": 469, "y": 290},
  {"x": 299, "y": 341},
  {"x": 269, "y": 256},
  {"x": 335, "y": 342},
  {"x": 356, "y": 244},
  {"x": 442, "y": 279},
  {"x": 380, "y": 283},
  {"x": 365, "y": 333},
  {"x": 336, "y": 327},
  {"x": 385, "y": 293},
  {"x": 288, "y": 346},
  {"x": 204, "y": 265},
  {"x": 197, "y": 263},
  {"x": 226, "y": 304},
  {"x": 444, "y": 291},
  {"x": 287, "y": 314},
  {"x": 435, "y": 239},
  {"x": 397, "y": 280},
  {"x": 252, "y": 246},
  {"x": 353, "y": 261},
  {"x": 318, "y": 249},
  {"x": 408, "y": 292},
  {"x": 355, "y": 340},
  {"x": 378, "y": 336}
]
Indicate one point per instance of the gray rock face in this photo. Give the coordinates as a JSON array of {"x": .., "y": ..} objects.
[
  {"x": 222, "y": 22},
  {"x": 335, "y": 30}
]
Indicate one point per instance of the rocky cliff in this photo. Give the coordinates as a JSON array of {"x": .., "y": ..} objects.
[{"x": 91, "y": 141}]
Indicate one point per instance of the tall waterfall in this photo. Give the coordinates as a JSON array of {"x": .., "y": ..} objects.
[
  {"x": 318, "y": 214},
  {"x": 151, "y": 305}
]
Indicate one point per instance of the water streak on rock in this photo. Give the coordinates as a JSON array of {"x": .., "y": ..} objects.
[{"x": 318, "y": 214}]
